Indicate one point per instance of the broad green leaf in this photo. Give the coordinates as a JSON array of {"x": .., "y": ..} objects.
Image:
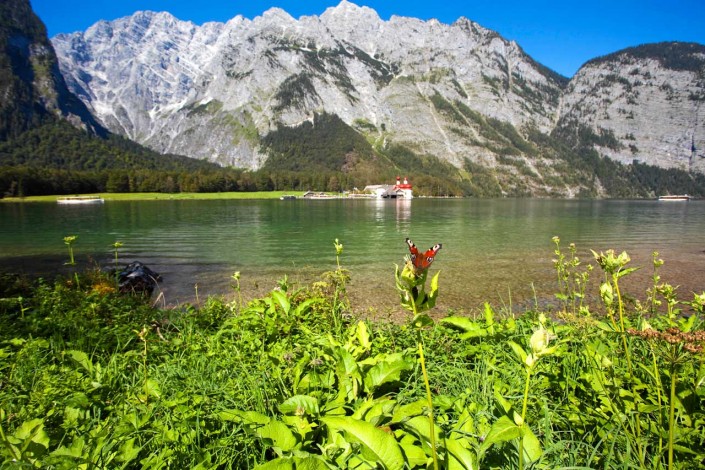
[
  {"x": 502, "y": 430},
  {"x": 381, "y": 411},
  {"x": 686, "y": 325},
  {"x": 277, "y": 464},
  {"x": 363, "y": 336},
  {"x": 489, "y": 315},
  {"x": 386, "y": 371},
  {"x": 465, "y": 457},
  {"x": 346, "y": 370},
  {"x": 465, "y": 423},
  {"x": 363, "y": 407},
  {"x": 299, "y": 405},
  {"x": 414, "y": 455},
  {"x": 378, "y": 444},
  {"x": 128, "y": 451},
  {"x": 303, "y": 306},
  {"x": 519, "y": 351},
  {"x": 280, "y": 435},
  {"x": 33, "y": 431},
  {"x": 604, "y": 326},
  {"x": 310, "y": 463},
  {"x": 433, "y": 295},
  {"x": 406, "y": 412},
  {"x": 532, "y": 446},
  {"x": 75, "y": 450},
  {"x": 281, "y": 298},
  {"x": 420, "y": 426},
  {"x": 625, "y": 272},
  {"x": 247, "y": 417},
  {"x": 378, "y": 406},
  {"x": 151, "y": 388},
  {"x": 461, "y": 323},
  {"x": 82, "y": 359}
]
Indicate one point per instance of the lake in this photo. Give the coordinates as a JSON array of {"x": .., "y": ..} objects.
[{"x": 497, "y": 250}]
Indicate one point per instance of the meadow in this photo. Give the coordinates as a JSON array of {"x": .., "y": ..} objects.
[{"x": 299, "y": 379}]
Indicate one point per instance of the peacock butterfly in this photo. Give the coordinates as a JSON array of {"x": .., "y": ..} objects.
[{"x": 422, "y": 261}]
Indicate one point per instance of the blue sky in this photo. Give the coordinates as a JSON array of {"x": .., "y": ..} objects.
[{"x": 561, "y": 35}]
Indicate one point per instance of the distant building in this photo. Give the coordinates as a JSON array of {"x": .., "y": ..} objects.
[{"x": 402, "y": 189}]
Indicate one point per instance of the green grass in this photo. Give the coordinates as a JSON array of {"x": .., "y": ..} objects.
[
  {"x": 166, "y": 196},
  {"x": 90, "y": 377}
]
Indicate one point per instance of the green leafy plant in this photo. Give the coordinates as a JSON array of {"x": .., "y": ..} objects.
[{"x": 572, "y": 282}]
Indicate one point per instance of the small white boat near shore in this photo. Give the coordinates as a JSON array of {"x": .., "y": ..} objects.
[
  {"x": 674, "y": 197},
  {"x": 80, "y": 200}
]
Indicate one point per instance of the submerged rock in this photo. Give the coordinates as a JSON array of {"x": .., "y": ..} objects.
[{"x": 138, "y": 278}]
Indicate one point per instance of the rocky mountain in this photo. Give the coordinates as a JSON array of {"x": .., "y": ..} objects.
[
  {"x": 229, "y": 92},
  {"x": 213, "y": 91},
  {"x": 32, "y": 88},
  {"x": 645, "y": 103}
]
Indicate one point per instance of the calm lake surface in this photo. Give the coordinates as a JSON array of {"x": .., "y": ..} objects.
[{"x": 493, "y": 250}]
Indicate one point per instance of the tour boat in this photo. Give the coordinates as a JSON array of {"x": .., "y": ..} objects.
[{"x": 675, "y": 197}]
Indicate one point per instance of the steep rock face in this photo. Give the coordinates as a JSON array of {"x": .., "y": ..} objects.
[
  {"x": 213, "y": 91},
  {"x": 32, "y": 88},
  {"x": 645, "y": 103}
]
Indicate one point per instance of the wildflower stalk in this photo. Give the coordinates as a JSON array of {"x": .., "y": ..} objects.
[
  {"x": 116, "y": 247},
  {"x": 614, "y": 266},
  {"x": 659, "y": 398},
  {"x": 539, "y": 344},
  {"x": 411, "y": 283},
  {"x": 69, "y": 241},
  {"x": 523, "y": 416},
  {"x": 236, "y": 277}
]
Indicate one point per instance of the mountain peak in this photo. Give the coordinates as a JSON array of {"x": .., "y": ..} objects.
[
  {"x": 347, "y": 9},
  {"x": 277, "y": 14}
]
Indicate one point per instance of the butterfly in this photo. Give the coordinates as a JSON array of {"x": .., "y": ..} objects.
[{"x": 422, "y": 261}]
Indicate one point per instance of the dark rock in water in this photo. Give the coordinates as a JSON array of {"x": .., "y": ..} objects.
[{"x": 138, "y": 278}]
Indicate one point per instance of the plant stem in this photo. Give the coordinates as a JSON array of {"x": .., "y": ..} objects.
[
  {"x": 523, "y": 418},
  {"x": 660, "y": 399},
  {"x": 430, "y": 404},
  {"x": 623, "y": 333},
  {"x": 671, "y": 417}
]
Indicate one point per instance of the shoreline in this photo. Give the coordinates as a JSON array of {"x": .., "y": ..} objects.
[{"x": 160, "y": 196}]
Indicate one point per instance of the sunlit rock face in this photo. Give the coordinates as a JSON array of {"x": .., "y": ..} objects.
[
  {"x": 212, "y": 91},
  {"x": 645, "y": 103}
]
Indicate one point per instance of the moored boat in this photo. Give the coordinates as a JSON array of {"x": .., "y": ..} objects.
[{"x": 80, "y": 200}]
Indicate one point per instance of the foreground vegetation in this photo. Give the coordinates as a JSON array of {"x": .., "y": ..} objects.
[{"x": 91, "y": 378}]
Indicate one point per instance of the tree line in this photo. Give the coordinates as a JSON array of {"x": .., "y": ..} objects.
[{"x": 23, "y": 181}]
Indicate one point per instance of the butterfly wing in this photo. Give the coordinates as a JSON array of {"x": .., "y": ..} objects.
[
  {"x": 415, "y": 254},
  {"x": 430, "y": 255},
  {"x": 422, "y": 260}
]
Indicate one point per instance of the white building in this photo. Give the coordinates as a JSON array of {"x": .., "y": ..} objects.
[{"x": 402, "y": 189}]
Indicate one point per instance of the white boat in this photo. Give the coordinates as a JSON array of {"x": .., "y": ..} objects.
[
  {"x": 675, "y": 197},
  {"x": 80, "y": 200}
]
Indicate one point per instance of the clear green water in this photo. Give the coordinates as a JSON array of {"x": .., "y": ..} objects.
[{"x": 493, "y": 250}]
